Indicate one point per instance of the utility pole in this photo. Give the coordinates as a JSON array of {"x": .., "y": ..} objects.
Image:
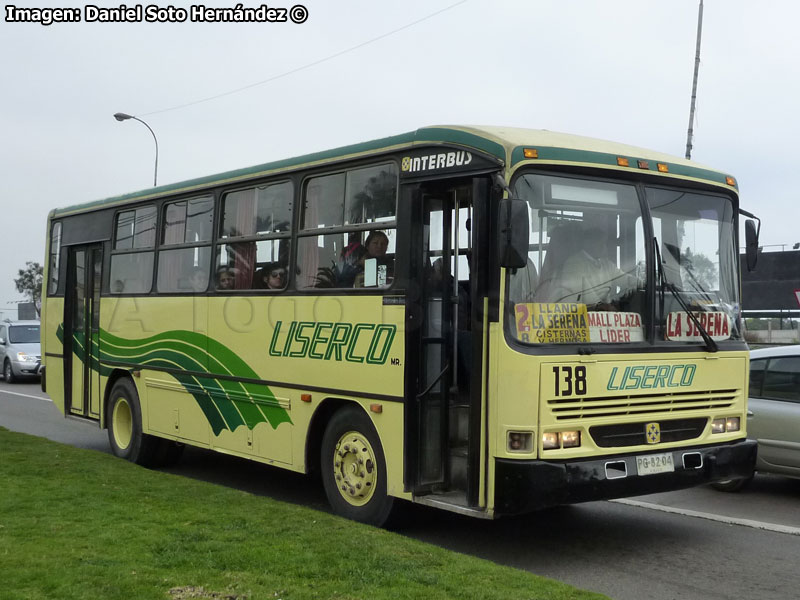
[{"x": 694, "y": 82}]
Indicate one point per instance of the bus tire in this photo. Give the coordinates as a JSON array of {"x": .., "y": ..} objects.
[
  {"x": 731, "y": 485},
  {"x": 353, "y": 468},
  {"x": 124, "y": 419}
]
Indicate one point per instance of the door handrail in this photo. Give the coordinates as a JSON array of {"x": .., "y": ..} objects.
[{"x": 433, "y": 383}]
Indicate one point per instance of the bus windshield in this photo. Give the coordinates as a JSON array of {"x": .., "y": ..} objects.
[{"x": 587, "y": 271}]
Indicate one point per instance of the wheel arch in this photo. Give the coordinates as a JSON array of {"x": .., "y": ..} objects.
[
  {"x": 316, "y": 429},
  {"x": 113, "y": 377}
]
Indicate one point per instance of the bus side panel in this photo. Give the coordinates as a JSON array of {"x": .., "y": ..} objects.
[
  {"x": 306, "y": 350},
  {"x": 149, "y": 334}
]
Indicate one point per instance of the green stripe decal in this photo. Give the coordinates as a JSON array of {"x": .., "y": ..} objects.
[{"x": 226, "y": 404}]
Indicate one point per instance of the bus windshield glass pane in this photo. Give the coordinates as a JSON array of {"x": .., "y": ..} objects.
[
  {"x": 695, "y": 240},
  {"x": 585, "y": 277}
]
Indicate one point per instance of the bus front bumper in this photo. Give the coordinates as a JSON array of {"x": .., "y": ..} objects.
[{"x": 526, "y": 485}]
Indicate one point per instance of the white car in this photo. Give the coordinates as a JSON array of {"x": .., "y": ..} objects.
[
  {"x": 20, "y": 350},
  {"x": 773, "y": 417}
]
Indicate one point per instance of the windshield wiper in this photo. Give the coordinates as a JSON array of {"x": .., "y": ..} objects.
[{"x": 711, "y": 345}]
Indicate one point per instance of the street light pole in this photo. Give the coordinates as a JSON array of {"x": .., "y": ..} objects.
[
  {"x": 690, "y": 133},
  {"x": 124, "y": 117}
]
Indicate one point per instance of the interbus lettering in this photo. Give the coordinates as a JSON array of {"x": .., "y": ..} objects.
[
  {"x": 442, "y": 160},
  {"x": 359, "y": 343}
]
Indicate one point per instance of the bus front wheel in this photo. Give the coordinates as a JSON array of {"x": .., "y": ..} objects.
[
  {"x": 353, "y": 468},
  {"x": 124, "y": 420}
]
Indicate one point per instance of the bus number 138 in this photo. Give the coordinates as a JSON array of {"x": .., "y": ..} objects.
[{"x": 573, "y": 379}]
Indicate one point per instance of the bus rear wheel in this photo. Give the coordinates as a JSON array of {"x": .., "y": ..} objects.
[
  {"x": 353, "y": 468},
  {"x": 124, "y": 420}
]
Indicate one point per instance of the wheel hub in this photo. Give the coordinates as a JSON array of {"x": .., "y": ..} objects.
[
  {"x": 354, "y": 468},
  {"x": 122, "y": 422}
]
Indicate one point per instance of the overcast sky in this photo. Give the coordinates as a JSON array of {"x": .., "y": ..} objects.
[{"x": 613, "y": 69}]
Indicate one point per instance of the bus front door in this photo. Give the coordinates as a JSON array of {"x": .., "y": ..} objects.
[
  {"x": 444, "y": 342},
  {"x": 82, "y": 332}
]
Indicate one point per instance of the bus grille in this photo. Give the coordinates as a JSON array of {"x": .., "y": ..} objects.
[
  {"x": 633, "y": 434},
  {"x": 618, "y": 406}
]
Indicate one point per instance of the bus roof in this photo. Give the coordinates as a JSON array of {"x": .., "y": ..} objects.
[{"x": 506, "y": 144}]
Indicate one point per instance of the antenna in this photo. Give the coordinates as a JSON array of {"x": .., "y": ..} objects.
[{"x": 694, "y": 82}]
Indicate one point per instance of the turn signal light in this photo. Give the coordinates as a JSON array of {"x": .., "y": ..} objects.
[{"x": 520, "y": 441}]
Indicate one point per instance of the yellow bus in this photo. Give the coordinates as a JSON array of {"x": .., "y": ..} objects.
[{"x": 485, "y": 320}]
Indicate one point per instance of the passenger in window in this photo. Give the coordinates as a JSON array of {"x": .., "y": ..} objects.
[
  {"x": 350, "y": 262},
  {"x": 377, "y": 244},
  {"x": 198, "y": 280},
  {"x": 226, "y": 279},
  {"x": 375, "y": 247},
  {"x": 271, "y": 277}
]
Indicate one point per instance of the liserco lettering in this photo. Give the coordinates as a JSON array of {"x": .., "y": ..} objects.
[
  {"x": 651, "y": 377},
  {"x": 350, "y": 342}
]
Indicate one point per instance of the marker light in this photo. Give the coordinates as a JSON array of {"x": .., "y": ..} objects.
[
  {"x": 643, "y": 164},
  {"x": 530, "y": 152},
  {"x": 662, "y": 168},
  {"x": 520, "y": 441},
  {"x": 730, "y": 180},
  {"x": 622, "y": 162}
]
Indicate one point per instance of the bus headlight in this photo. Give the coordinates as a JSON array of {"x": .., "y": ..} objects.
[
  {"x": 550, "y": 441},
  {"x": 570, "y": 439},
  {"x": 561, "y": 439},
  {"x": 729, "y": 424}
]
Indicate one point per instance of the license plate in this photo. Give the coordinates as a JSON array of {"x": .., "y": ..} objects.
[{"x": 655, "y": 463}]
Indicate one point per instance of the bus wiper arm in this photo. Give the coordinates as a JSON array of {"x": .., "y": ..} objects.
[{"x": 711, "y": 345}]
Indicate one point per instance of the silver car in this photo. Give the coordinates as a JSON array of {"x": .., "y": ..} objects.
[
  {"x": 773, "y": 416},
  {"x": 20, "y": 349}
]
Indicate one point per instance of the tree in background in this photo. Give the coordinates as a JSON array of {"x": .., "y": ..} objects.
[{"x": 29, "y": 283}]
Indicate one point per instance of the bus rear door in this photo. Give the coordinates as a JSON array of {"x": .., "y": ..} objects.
[{"x": 82, "y": 332}]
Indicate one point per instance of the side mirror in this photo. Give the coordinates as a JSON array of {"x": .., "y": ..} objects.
[
  {"x": 514, "y": 233},
  {"x": 751, "y": 244}
]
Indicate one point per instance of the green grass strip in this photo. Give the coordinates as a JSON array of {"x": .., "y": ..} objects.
[{"x": 81, "y": 524}]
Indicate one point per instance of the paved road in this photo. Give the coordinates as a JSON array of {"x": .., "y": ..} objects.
[{"x": 627, "y": 551}]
